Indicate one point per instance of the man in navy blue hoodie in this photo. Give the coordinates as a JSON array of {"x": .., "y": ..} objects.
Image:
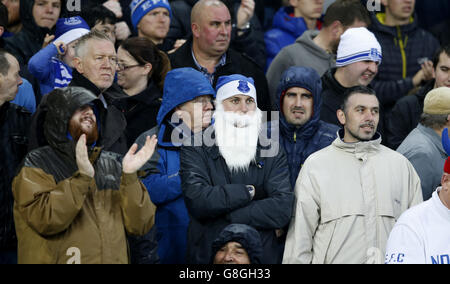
[{"x": 301, "y": 130}]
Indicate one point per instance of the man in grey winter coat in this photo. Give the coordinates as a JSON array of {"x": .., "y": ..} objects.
[{"x": 423, "y": 146}]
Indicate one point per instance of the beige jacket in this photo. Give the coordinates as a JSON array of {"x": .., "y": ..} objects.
[{"x": 348, "y": 198}]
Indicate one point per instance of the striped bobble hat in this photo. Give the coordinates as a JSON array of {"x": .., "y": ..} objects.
[{"x": 358, "y": 44}]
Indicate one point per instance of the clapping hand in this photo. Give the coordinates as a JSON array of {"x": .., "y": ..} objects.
[
  {"x": 84, "y": 165},
  {"x": 133, "y": 161}
]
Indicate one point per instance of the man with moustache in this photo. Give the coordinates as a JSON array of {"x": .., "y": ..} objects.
[
  {"x": 358, "y": 57},
  {"x": 95, "y": 66},
  {"x": 235, "y": 180},
  {"x": 75, "y": 202},
  {"x": 350, "y": 194}
]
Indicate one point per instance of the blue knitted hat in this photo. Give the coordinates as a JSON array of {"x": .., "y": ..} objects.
[
  {"x": 140, "y": 8},
  {"x": 70, "y": 29}
]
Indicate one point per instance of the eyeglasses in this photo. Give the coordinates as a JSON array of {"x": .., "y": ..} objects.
[{"x": 122, "y": 67}]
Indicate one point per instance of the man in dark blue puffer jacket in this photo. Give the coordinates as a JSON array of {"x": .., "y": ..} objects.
[{"x": 301, "y": 130}]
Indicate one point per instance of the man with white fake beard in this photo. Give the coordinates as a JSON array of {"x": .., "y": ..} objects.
[{"x": 236, "y": 180}]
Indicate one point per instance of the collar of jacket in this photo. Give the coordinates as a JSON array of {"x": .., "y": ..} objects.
[
  {"x": 185, "y": 53},
  {"x": 110, "y": 95},
  {"x": 379, "y": 20},
  {"x": 3, "y": 111},
  {"x": 422, "y": 93},
  {"x": 433, "y": 136},
  {"x": 151, "y": 96},
  {"x": 330, "y": 82},
  {"x": 80, "y": 81},
  {"x": 361, "y": 149}
]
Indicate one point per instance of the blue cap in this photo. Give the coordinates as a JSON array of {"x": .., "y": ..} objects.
[
  {"x": 140, "y": 8},
  {"x": 70, "y": 29}
]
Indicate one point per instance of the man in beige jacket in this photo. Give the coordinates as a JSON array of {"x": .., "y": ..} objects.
[
  {"x": 350, "y": 194},
  {"x": 75, "y": 202}
]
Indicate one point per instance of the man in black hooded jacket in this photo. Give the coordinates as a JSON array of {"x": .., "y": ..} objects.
[{"x": 14, "y": 122}]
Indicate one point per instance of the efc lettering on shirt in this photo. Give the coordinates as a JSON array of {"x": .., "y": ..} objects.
[
  {"x": 394, "y": 258},
  {"x": 440, "y": 259}
]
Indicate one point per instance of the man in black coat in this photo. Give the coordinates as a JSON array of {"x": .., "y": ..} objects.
[
  {"x": 208, "y": 49},
  {"x": 95, "y": 67},
  {"x": 247, "y": 34},
  {"x": 407, "y": 111},
  {"x": 239, "y": 179},
  {"x": 14, "y": 122}
]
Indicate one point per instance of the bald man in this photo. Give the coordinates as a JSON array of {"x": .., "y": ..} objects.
[{"x": 207, "y": 50}]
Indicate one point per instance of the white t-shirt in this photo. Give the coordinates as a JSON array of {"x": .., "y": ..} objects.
[{"x": 421, "y": 235}]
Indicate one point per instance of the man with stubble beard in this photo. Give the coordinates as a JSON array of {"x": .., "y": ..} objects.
[{"x": 350, "y": 194}]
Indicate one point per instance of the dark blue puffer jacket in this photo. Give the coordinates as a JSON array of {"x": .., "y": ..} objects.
[
  {"x": 164, "y": 183},
  {"x": 301, "y": 142},
  {"x": 285, "y": 30}
]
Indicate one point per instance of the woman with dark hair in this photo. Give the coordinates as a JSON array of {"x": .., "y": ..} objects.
[{"x": 141, "y": 73}]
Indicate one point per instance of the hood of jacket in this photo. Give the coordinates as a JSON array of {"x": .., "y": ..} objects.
[
  {"x": 293, "y": 25},
  {"x": 28, "y": 22},
  {"x": 182, "y": 85},
  {"x": 248, "y": 237},
  {"x": 61, "y": 105},
  {"x": 307, "y": 78},
  {"x": 378, "y": 25}
]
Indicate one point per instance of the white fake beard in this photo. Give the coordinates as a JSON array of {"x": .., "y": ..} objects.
[{"x": 237, "y": 145}]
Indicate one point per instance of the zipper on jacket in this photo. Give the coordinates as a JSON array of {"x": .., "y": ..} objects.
[
  {"x": 295, "y": 137},
  {"x": 402, "y": 44}
]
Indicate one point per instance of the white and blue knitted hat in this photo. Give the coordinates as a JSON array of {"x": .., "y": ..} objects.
[
  {"x": 358, "y": 44},
  {"x": 232, "y": 85}
]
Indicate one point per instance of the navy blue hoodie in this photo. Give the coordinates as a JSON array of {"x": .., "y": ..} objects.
[{"x": 300, "y": 142}]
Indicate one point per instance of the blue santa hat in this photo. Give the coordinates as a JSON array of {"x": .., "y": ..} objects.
[
  {"x": 70, "y": 29},
  {"x": 140, "y": 8},
  {"x": 229, "y": 86}
]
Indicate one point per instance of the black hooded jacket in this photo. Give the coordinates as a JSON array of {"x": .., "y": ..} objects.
[
  {"x": 29, "y": 40},
  {"x": 14, "y": 122}
]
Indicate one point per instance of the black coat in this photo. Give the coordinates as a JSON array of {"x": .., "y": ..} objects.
[
  {"x": 251, "y": 43},
  {"x": 215, "y": 198},
  {"x": 14, "y": 123},
  {"x": 235, "y": 64},
  {"x": 405, "y": 116},
  {"x": 141, "y": 111}
]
